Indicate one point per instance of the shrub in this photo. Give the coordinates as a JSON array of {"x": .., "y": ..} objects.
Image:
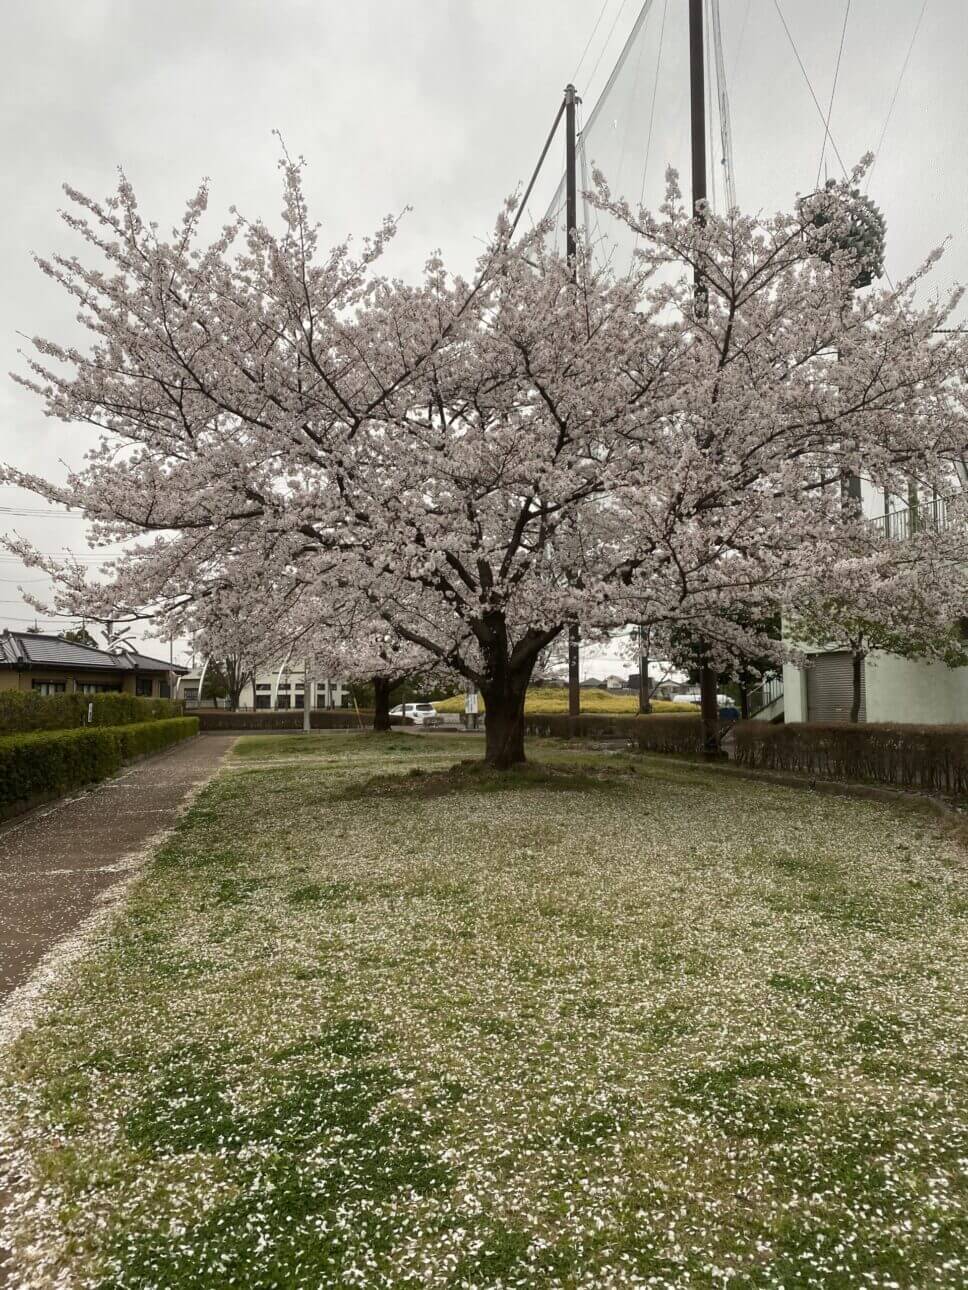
[
  {"x": 25, "y": 710},
  {"x": 667, "y": 734},
  {"x": 934, "y": 758},
  {"x": 43, "y": 764},
  {"x": 289, "y": 719}
]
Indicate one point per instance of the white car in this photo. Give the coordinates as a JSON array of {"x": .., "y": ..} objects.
[{"x": 417, "y": 714}]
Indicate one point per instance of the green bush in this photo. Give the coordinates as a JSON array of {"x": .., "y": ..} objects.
[
  {"x": 25, "y": 710},
  {"x": 43, "y": 764},
  {"x": 652, "y": 733},
  {"x": 932, "y": 758},
  {"x": 288, "y": 719}
]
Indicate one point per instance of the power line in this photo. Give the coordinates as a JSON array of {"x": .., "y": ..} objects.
[
  {"x": 739, "y": 43},
  {"x": 897, "y": 90},
  {"x": 611, "y": 29},
  {"x": 833, "y": 91},
  {"x": 816, "y": 102},
  {"x": 39, "y": 511},
  {"x": 588, "y": 42}
]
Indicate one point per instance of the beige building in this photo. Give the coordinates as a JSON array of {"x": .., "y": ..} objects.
[{"x": 50, "y": 665}]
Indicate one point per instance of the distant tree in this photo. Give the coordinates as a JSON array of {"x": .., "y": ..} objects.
[
  {"x": 913, "y": 612},
  {"x": 79, "y": 636}
]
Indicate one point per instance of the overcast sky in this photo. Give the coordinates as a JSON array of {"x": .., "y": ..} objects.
[{"x": 439, "y": 105}]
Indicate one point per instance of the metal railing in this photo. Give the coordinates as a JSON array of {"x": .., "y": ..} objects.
[
  {"x": 765, "y": 694},
  {"x": 925, "y": 517}
]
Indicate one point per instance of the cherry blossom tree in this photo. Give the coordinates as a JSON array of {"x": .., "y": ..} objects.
[{"x": 485, "y": 462}]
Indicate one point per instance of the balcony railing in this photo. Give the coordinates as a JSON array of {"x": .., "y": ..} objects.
[
  {"x": 926, "y": 517},
  {"x": 766, "y": 693}
]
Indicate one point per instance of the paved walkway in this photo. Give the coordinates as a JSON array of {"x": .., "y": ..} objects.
[{"x": 55, "y": 863}]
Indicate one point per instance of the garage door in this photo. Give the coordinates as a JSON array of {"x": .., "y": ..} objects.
[{"x": 830, "y": 688}]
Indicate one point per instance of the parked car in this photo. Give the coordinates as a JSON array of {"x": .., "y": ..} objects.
[
  {"x": 417, "y": 714},
  {"x": 723, "y": 700}
]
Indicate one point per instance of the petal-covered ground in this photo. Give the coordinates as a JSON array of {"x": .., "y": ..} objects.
[{"x": 366, "y": 1020}]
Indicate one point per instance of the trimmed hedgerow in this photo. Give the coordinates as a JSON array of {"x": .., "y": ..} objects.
[
  {"x": 932, "y": 758},
  {"x": 25, "y": 710},
  {"x": 43, "y": 764},
  {"x": 651, "y": 733},
  {"x": 288, "y": 719}
]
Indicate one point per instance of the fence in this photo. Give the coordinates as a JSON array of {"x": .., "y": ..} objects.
[{"x": 925, "y": 758}]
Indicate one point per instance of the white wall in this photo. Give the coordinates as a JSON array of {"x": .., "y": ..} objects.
[{"x": 899, "y": 689}]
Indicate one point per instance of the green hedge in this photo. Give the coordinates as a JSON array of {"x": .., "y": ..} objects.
[
  {"x": 44, "y": 764},
  {"x": 650, "y": 733},
  {"x": 289, "y": 719},
  {"x": 25, "y": 710},
  {"x": 932, "y": 758}
]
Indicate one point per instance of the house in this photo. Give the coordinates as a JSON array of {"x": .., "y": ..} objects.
[
  {"x": 892, "y": 688},
  {"x": 50, "y": 665},
  {"x": 273, "y": 688}
]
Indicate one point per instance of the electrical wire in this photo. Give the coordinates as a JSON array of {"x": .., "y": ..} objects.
[
  {"x": 710, "y": 150},
  {"x": 833, "y": 91},
  {"x": 897, "y": 90},
  {"x": 601, "y": 53},
  {"x": 38, "y": 512},
  {"x": 588, "y": 42},
  {"x": 739, "y": 43},
  {"x": 648, "y": 143},
  {"x": 816, "y": 102}
]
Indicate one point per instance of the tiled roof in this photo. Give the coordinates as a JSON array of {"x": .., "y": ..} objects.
[{"x": 26, "y": 648}]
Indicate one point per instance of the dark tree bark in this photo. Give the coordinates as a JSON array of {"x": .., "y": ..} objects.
[
  {"x": 504, "y": 685},
  {"x": 709, "y": 711},
  {"x": 382, "y": 685},
  {"x": 504, "y": 725},
  {"x": 744, "y": 701},
  {"x": 857, "y": 677}
]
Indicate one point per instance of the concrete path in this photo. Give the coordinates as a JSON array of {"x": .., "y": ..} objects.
[{"x": 56, "y": 862}]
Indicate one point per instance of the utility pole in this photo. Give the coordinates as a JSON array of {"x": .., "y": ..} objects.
[
  {"x": 708, "y": 680},
  {"x": 571, "y": 233},
  {"x": 645, "y": 699},
  {"x": 307, "y": 695}
]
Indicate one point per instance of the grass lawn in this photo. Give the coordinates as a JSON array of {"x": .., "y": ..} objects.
[{"x": 612, "y": 1021}]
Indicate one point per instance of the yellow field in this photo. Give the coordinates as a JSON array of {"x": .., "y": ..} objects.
[{"x": 541, "y": 700}]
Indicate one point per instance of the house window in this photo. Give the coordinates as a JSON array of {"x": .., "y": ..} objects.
[
  {"x": 263, "y": 701},
  {"x": 264, "y": 689},
  {"x": 49, "y": 687},
  {"x": 142, "y": 686},
  {"x": 95, "y": 687},
  {"x": 165, "y": 690}
]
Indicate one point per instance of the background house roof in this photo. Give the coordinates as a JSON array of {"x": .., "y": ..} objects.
[{"x": 23, "y": 649}]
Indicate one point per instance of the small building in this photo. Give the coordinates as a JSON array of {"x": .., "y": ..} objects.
[
  {"x": 271, "y": 688},
  {"x": 51, "y": 665}
]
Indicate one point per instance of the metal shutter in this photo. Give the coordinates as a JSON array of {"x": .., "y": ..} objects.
[{"x": 830, "y": 688}]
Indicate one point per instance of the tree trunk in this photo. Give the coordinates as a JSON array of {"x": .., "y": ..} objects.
[
  {"x": 381, "y": 702},
  {"x": 744, "y": 701},
  {"x": 504, "y": 725},
  {"x": 645, "y": 698},
  {"x": 857, "y": 670},
  {"x": 709, "y": 709},
  {"x": 235, "y": 694}
]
